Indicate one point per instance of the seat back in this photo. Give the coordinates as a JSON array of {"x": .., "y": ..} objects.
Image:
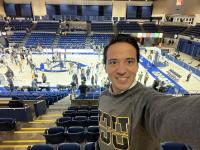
[
  {"x": 82, "y": 113},
  {"x": 93, "y": 133},
  {"x": 15, "y": 104},
  {"x": 75, "y": 134},
  {"x": 80, "y": 121},
  {"x": 55, "y": 130},
  {"x": 173, "y": 146},
  {"x": 84, "y": 107},
  {"x": 55, "y": 135},
  {"x": 69, "y": 113},
  {"x": 94, "y": 112},
  {"x": 75, "y": 129},
  {"x": 7, "y": 124},
  {"x": 40, "y": 147},
  {"x": 89, "y": 146},
  {"x": 64, "y": 121},
  {"x": 69, "y": 146}
]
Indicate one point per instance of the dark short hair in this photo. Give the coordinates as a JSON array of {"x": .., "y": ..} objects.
[{"x": 122, "y": 38}]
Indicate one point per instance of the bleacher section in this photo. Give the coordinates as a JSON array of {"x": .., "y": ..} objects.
[
  {"x": 72, "y": 41},
  {"x": 17, "y": 37},
  {"x": 44, "y": 39},
  {"x": 191, "y": 48},
  {"x": 48, "y": 96},
  {"x": 100, "y": 39},
  {"x": 2, "y": 24},
  {"x": 20, "y": 24},
  {"x": 170, "y": 31},
  {"x": 102, "y": 27},
  {"x": 150, "y": 27},
  {"x": 193, "y": 31},
  {"x": 51, "y": 26},
  {"x": 128, "y": 27}
]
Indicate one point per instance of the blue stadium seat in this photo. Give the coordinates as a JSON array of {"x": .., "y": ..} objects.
[
  {"x": 84, "y": 107},
  {"x": 93, "y": 133},
  {"x": 174, "y": 146},
  {"x": 80, "y": 121},
  {"x": 69, "y": 113},
  {"x": 55, "y": 135},
  {"x": 69, "y": 146},
  {"x": 83, "y": 113},
  {"x": 75, "y": 134},
  {"x": 89, "y": 146},
  {"x": 7, "y": 124},
  {"x": 40, "y": 147},
  {"x": 93, "y": 121},
  {"x": 94, "y": 112},
  {"x": 64, "y": 122}
]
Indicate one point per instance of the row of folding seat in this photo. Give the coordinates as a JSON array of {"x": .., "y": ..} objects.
[
  {"x": 78, "y": 121},
  {"x": 87, "y": 113},
  {"x": 63, "y": 146},
  {"x": 91, "y": 146},
  {"x": 83, "y": 107},
  {"x": 78, "y": 134}
]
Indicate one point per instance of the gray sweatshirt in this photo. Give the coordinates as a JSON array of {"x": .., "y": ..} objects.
[{"x": 141, "y": 118}]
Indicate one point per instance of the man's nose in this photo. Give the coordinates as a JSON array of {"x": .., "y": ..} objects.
[{"x": 121, "y": 69}]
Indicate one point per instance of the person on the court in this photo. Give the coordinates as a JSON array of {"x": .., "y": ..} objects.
[{"x": 135, "y": 117}]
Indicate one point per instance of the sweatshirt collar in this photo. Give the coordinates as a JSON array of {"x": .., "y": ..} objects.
[{"x": 132, "y": 85}]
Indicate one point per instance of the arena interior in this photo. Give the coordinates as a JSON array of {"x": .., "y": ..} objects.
[{"x": 48, "y": 47}]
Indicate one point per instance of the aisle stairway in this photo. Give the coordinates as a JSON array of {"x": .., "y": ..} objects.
[{"x": 29, "y": 133}]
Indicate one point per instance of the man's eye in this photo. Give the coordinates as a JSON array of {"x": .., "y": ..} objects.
[
  {"x": 112, "y": 62},
  {"x": 130, "y": 61}
]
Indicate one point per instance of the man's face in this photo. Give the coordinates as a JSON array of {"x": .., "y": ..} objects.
[{"x": 121, "y": 66}]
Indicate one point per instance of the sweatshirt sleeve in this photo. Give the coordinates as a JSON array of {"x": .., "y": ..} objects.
[{"x": 176, "y": 119}]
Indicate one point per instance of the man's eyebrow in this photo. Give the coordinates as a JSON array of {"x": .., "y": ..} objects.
[
  {"x": 112, "y": 59},
  {"x": 130, "y": 58}
]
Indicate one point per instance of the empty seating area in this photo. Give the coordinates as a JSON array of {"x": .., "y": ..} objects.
[
  {"x": 102, "y": 27},
  {"x": 43, "y": 39},
  {"x": 100, "y": 39},
  {"x": 49, "y": 96},
  {"x": 75, "y": 130},
  {"x": 193, "y": 31},
  {"x": 170, "y": 31},
  {"x": 72, "y": 41},
  {"x": 63, "y": 146},
  {"x": 17, "y": 37},
  {"x": 128, "y": 27},
  {"x": 20, "y": 24},
  {"x": 150, "y": 27},
  {"x": 191, "y": 48},
  {"x": 74, "y": 134},
  {"x": 51, "y": 26}
]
